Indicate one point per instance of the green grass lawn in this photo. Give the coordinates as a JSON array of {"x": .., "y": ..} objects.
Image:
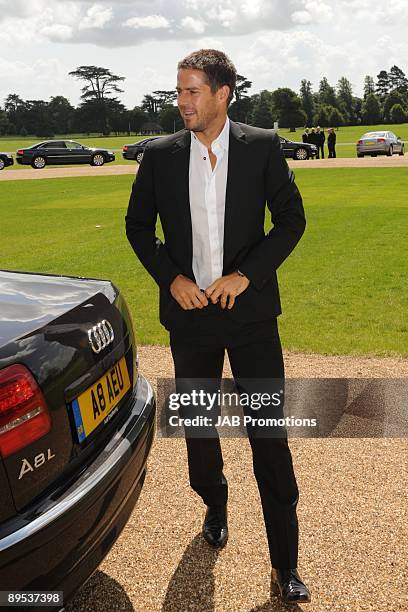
[
  {"x": 346, "y": 140},
  {"x": 344, "y": 288}
]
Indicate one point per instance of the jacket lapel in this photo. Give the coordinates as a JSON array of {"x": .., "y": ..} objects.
[
  {"x": 236, "y": 175},
  {"x": 180, "y": 167}
]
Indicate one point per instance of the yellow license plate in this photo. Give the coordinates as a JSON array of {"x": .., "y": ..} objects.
[
  {"x": 371, "y": 142},
  {"x": 94, "y": 405}
]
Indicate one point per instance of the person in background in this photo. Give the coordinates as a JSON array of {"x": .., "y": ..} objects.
[
  {"x": 320, "y": 140},
  {"x": 331, "y": 142},
  {"x": 305, "y": 135},
  {"x": 313, "y": 140}
]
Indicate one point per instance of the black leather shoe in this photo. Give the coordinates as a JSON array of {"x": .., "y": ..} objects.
[
  {"x": 290, "y": 586},
  {"x": 215, "y": 527}
]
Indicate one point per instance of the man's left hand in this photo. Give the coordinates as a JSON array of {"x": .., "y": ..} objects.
[{"x": 226, "y": 289}]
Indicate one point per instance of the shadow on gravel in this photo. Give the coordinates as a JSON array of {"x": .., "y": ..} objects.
[
  {"x": 275, "y": 605},
  {"x": 100, "y": 594},
  {"x": 192, "y": 584}
]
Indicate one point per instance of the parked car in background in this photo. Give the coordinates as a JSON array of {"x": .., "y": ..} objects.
[
  {"x": 53, "y": 152},
  {"x": 297, "y": 150},
  {"x": 77, "y": 421},
  {"x": 379, "y": 143},
  {"x": 6, "y": 159},
  {"x": 135, "y": 151}
]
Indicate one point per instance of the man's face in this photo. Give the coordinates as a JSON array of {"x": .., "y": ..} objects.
[{"x": 198, "y": 106}]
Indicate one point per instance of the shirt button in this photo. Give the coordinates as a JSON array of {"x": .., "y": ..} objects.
[{"x": 204, "y": 158}]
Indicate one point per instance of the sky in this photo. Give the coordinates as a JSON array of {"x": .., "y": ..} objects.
[{"x": 274, "y": 43}]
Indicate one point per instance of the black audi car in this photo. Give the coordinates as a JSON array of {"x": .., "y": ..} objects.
[
  {"x": 297, "y": 150},
  {"x": 62, "y": 152},
  {"x": 6, "y": 159},
  {"x": 76, "y": 427},
  {"x": 135, "y": 151}
]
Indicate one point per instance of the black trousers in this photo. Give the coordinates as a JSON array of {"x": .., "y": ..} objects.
[
  {"x": 332, "y": 151},
  {"x": 320, "y": 148},
  {"x": 255, "y": 355}
]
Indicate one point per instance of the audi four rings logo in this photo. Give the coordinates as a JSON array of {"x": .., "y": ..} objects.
[{"x": 100, "y": 336}]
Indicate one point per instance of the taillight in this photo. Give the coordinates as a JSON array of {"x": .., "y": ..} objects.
[
  {"x": 20, "y": 152},
  {"x": 380, "y": 139},
  {"x": 125, "y": 148},
  {"x": 359, "y": 142},
  {"x": 24, "y": 415}
]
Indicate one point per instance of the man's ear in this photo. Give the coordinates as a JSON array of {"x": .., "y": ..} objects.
[{"x": 223, "y": 93}]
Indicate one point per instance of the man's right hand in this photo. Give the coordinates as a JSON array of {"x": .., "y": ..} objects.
[{"x": 187, "y": 293}]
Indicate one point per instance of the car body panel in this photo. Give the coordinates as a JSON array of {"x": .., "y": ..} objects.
[
  {"x": 130, "y": 151},
  {"x": 290, "y": 147},
  {"x": 62, "y": 152},
  {"x": 6, "y": 159},
  {"x": 379, "y": 143}
]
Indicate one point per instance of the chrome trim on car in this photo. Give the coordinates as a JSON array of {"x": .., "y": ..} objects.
[{"x": 100, "y": 336}]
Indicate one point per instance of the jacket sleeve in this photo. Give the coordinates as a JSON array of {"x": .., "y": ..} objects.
[
  {"x": 288, "y": 218},
  {"x": 141, "y": 219}
]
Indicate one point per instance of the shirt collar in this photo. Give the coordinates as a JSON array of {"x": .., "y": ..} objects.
[{"x": 222, "y": 139}]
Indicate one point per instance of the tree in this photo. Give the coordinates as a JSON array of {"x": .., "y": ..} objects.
[
  {"x": 151, "y": 105},
  {"x": 165, "y": 97},
  {"x": 398, "y": 80},
  {"x": 369, "y": 85},
  {"x": 240, "y": 110},
  {"x": 14, "y": 107},
  {"x": 335, "y": 117},
  {"x": 37, "y": 119},
  {"x": 241, "y": 87},
  {"x": 287, "y": 108},
  {"x": 393, "y": 98},
  {"x": 327, "y": 93},
  {"x": 62, "y": 114},
  {"x": 170, "y": 119},
  {"x": 321, "y": 116},
  {"x": 99, "y": 82},
  {"x": 398, "y": 115},
  {"x": 371, "y": 110},
  {"x": 136, "y": 118},
  {"x": 345, "y": 99},
  {"x": 262, "y": 110},
  {"x": 306, "y": 96},
  {"x": 383, "y": 83},
  {"x": 5, "y": 125}
]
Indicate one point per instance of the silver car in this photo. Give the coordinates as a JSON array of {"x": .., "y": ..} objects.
[{"x": 379, "y": 143}]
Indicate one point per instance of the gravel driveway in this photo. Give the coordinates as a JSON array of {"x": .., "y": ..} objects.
[
  {"x": 351, "y": 517},
  {"x": 339, "y": 162}
]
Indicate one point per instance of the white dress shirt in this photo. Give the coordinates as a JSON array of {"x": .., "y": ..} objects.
[{"x": 207, "y": 189}]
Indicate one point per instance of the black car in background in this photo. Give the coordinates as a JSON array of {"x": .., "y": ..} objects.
[
  {"x": 297, "y": 150},
  {"x": 6, "y": 159},
  {"x": 76, "y": 427},
  {"x": 135, "y": 151},
  {"x": 62, "y": 152}
]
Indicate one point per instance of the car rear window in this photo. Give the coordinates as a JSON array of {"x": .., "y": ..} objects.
[{"x": 374, "y": 135}]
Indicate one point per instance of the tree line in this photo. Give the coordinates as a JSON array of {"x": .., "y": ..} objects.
[{"x": 385, "y": 99}]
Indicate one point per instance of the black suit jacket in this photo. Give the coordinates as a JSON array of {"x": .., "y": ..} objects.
[{"x": 258, "y": 175}]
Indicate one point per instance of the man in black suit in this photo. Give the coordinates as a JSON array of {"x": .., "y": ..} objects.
[
  {"x": 331, "y": 142},
  {"x": 320, "y": 140},
  {"x": 216, "y": 271}
]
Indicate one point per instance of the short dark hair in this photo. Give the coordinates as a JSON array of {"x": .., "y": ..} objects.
[{"x": 217, "y": 67}]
